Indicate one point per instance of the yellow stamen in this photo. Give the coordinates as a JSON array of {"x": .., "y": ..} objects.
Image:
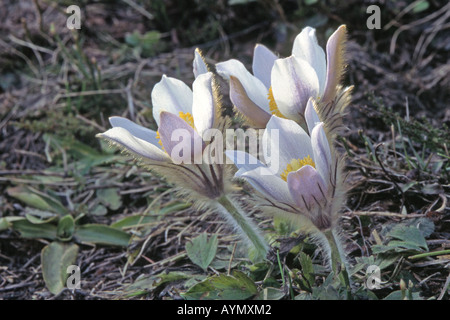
[
  {"x": 297, "y": 164},
  {"x": 188, "y": 118},
  {"x": 159, "y": 140},
  {"x": 273, "y": 105}
]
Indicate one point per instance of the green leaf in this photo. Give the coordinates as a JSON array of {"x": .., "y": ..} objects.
[
  {"x": 55, "y": 258},
  {"x": 421, "y": 6},
  {"x": 101, "y": 234},
  {"x": 307, "y": 268},
  {"x": 411, "y": 236},
  {"x": 271, "y": 294},
  {"x": 37, "y": 216},
  {"x": 66, "y": 227},
  {"x": 37, "y": 199},
  {"x": 133, "y": 221},
  {"x": 398, "y": 295},
  {"x": 31, "y": 230},
  {"x": 174, "y": 207},
  {"x": 202, "y": 251},
  {"x": 110, "y": 197},
  {"x": 6, "y": 222},
  {"x": 147, "y": 284},
  {"x": 223, "y": 287}
]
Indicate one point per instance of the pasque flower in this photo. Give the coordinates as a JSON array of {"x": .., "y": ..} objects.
[
  {"x": 283, "y": 86},
  {"x": 308, "y": 186},
  {"x": 176, "y": 150},
  {"x": 305, "y": 184}
]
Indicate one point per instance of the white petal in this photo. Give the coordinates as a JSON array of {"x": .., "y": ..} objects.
[
  {"x": 171, "y": 95},
  {"x": 294, "y": 81},
  {"x": 263, "y": 60},
  {"x": 135, "y": 129},
  {"x": 199, "y": 66},
  {"x": 134, "y": 144},
  {"x": 268, "y": 183},
  {"x": 293, "y": 142},
  {"x": 322, "y": 152},
  {"x": 255, "y": 89},
  {"x": 311, "y": 115},
  {"x": 243, "y": 161},
  {"x": 306, "y": 47},
  {"x": 203, "y": 104}
]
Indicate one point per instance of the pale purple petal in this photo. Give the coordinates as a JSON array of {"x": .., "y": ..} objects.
[
  {"x": 180, "y": 140},
  {"x": 322, "y": 152},
  {"x": 257, "y": 116},
  {"x": 294, "y": 81},
  {"x": 263, "y": 60},
  {"x": 311, "y": 115},
  {"x": 199, "y": 66},
  {"x": 140, "y": 147},
  {"x": 307, "y": 188},
  {"x": 335, "y": 62},
  {"x": 171, "y": 95}
]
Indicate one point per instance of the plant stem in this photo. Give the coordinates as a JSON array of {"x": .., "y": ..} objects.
[
  {"x": 429, "y": 254},
  {"x": 243, "y": 224},
  {"x": 337, "y": 262}
]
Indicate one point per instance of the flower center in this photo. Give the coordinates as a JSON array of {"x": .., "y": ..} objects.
[
  {"x": 186, "y": 117},
  {"x": 273, "y": 105},
  {"x": 296, "y": 164}
]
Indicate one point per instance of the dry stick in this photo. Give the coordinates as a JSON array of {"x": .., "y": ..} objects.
[
  {"x": 413, "y": 24},
  {"x": 385, "y": 214},
  {"x": 389, "y": 176}
]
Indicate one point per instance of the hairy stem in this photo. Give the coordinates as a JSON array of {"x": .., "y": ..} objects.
[
  {"x": 337, "y": 259},
  {"x": 246, "y": 228}
]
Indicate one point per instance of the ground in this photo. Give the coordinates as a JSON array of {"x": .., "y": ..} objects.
[{"x": 59, "y": 86}]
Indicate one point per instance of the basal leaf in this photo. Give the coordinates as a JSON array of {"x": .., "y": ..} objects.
[
  {"x": 410, "y": 235},
  {"x": 133, "y": 221},
  {"x": 31, "y": 230},
  {"x": 55, "y": 258},
  {"x": 223, "y": 287},
  {"x": 202, "y": 250},
  {"x": 101, "y": 234},
  {"x": 110, "y": 197},
  {"x": 66, "y": 227},
  {"x": 37, "y": 199}
]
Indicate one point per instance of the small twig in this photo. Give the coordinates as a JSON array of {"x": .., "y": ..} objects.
[
  {"x": 385, "y": 214},
  {"x": 389, "y": 176},
  {"x": 139, "y": 9},
  {"x": 444, "y": 289}
]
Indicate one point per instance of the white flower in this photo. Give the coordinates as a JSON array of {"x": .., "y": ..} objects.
[
  {"x": 305, "y": 181},
  {"x": 176, "y": 148},
  {"x": 283, "y": 86}
]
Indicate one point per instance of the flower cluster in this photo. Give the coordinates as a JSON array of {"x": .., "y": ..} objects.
[{"x": 298, "y": 104}]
